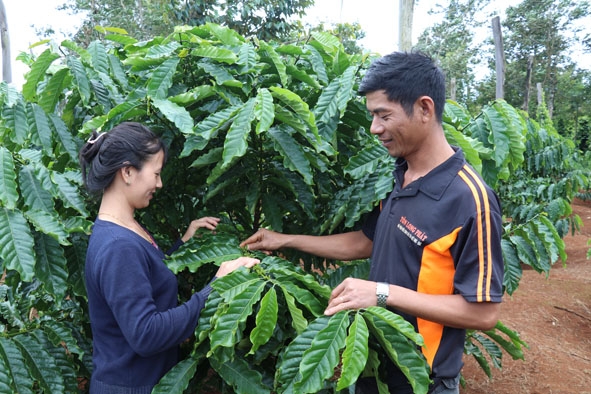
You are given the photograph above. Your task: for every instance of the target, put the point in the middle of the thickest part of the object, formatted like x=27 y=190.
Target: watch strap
x=382 y=292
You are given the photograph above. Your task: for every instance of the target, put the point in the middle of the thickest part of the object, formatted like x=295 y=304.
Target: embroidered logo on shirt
x=411 y=231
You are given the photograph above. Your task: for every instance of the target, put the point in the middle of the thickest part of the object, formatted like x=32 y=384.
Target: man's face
x=397 y=132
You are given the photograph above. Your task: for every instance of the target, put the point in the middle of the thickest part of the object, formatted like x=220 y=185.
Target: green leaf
x=299 y=106
x=69 y=193
x=305 y=298
x=355 y=354
x=288 y=367
x=49 y=224
x=365 y=161
x=117 y=71
x=63 y=137
x=61 y=334
x=397 y=322
x=17 y=244
x=215 y=53
x=235 y=145
x=319 y=361
x=50 y=267
x=177 y=379
x=61 y=359
x=40 y=128
x=266 y=320
x=35 y=195
x=525 y=250
x=228 y=328
x=176 y=114
x=16 y=120
x=40 y=364
x=161 y=79
x=513 y=270
x=317 y=64
x=393 y=336
x=8 y=192
x=276 y=61
x=100 y=61
x=293 y=155
x=302 y=75
x=51 y=94
x=81 y=78
x=264 y=110
x=329 y=42
x=5 y=379
x=513 y=346
x=16 y=369
x=221 y=75
x=286 y=270
x=231 y=285
x=241 y=376
x=193 y=255
x=298 y=321
x=37 y=74
x=205 y=129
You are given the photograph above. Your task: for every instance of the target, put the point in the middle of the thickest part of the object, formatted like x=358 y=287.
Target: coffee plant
x=261 y=134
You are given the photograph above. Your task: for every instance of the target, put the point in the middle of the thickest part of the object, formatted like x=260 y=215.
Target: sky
x=376 y=17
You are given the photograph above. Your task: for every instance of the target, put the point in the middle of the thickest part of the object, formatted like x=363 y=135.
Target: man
x=435 y=244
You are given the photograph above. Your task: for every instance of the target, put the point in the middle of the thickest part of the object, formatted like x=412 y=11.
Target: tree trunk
x=452 y=89
x=5 y=43
x=499 y=57
x=540 y=94
x=405 y=25
x=530 y=65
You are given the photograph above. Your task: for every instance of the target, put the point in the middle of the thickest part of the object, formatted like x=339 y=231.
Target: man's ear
x=426 y=107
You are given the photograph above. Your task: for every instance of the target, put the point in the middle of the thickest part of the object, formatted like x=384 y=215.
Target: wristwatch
x=382 y=292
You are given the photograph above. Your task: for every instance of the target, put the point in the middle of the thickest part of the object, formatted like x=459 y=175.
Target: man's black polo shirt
x=440 y=235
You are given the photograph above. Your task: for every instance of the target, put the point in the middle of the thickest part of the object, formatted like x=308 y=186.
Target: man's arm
x=449 y=310
x=347 y=246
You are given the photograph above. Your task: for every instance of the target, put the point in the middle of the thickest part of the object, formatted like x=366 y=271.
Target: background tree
x=451 y=42
x=543 y=30
x=146 y=19
x=5 y=45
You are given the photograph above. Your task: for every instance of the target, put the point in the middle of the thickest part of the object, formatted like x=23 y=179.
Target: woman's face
x=144 y=183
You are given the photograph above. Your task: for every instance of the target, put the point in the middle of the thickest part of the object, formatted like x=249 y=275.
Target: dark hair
x=127 y=144
x=406 y=76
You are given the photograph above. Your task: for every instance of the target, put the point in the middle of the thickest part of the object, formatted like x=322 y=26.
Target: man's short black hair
x=406 y=76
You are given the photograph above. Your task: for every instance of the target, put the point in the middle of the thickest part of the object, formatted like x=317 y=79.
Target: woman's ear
x=126 y=174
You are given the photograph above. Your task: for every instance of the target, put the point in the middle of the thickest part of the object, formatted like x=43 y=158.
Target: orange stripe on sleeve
x=482 y=206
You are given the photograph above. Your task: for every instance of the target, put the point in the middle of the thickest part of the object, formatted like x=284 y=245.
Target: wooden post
x=499 y=57
x=405 y=25
x=5 y=44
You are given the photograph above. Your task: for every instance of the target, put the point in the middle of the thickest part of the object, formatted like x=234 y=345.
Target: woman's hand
x=228 y=266
x=207 y=222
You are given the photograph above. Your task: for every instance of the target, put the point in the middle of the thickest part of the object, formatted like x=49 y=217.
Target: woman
x=132 y=296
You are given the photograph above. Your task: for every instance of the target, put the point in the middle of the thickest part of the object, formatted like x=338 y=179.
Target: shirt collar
x=437 y=180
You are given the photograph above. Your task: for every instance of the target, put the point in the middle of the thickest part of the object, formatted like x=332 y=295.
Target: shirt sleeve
x=177 y=244
x=479 y=257
x=369 y=226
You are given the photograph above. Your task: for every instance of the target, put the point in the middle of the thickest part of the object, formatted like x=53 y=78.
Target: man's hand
x=264 y=240
x=352 y=294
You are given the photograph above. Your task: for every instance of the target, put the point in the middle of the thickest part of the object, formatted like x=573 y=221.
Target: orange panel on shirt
x=436 y=277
